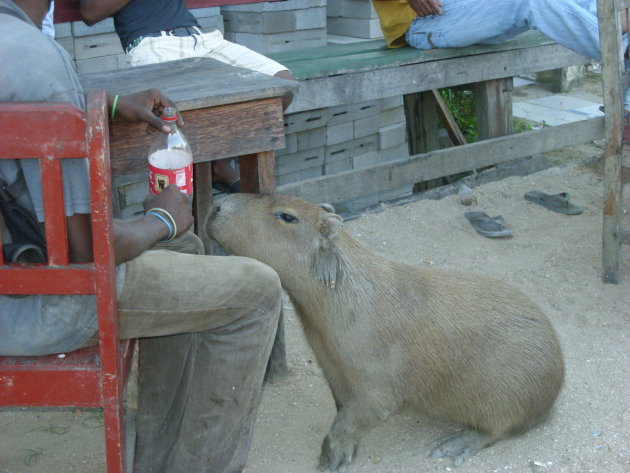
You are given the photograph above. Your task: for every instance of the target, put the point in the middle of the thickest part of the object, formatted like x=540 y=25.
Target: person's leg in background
x=206 y=325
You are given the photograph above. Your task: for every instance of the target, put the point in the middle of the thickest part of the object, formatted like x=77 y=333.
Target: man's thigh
x=167 y=293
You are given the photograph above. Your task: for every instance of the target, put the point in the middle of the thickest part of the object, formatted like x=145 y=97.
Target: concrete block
x=98 y=64
x=339 y=133
x=391 y=102
x=338 y=166
x=299 y=161
x=275 y=6
x=101 y=45
x=310 y=173
x=351 y=112
x=301 y=121
x=366 y=126
x=396 y=153
x=333 y=8
x=206 y=12
x=358 y=9
x=290 y=145
x=352 y=148
x=392 y=116
x=310 y=139
x=311 y=18
x=63 y=30
x=81 y=29
x=210 y=23
x=355 y=27
x=265 y=22
x=277 y=42
x=366 y=160
x=67 y=43
x=392 y=135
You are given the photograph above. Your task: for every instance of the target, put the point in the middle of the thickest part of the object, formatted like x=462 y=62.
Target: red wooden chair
x=91 y=377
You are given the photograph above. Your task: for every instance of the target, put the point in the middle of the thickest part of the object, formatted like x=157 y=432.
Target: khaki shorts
x=169 y=48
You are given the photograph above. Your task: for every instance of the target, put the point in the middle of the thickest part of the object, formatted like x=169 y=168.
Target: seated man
x=428 y=24
x=206 y=324
x=153 y=31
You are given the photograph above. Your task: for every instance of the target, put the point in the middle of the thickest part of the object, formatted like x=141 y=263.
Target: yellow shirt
x=396 y=17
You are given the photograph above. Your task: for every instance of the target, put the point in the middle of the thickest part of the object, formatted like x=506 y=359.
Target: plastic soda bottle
x=170 y=158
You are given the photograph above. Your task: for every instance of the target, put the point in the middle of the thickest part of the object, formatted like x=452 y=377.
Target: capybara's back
x=464 y=347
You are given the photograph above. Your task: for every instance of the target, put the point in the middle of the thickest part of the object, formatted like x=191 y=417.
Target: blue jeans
x=571 y=23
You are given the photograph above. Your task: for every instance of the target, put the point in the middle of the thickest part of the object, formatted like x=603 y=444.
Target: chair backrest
x=51 y=132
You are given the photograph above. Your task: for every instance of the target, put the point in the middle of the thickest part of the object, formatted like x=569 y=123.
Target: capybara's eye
x=285 y=217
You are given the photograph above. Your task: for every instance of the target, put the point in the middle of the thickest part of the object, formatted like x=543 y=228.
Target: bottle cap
x=169 y=114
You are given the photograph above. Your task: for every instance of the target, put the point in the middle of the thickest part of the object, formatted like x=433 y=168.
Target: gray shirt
x=35 y=68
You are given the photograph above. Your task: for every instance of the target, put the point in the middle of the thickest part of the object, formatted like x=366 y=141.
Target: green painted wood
x=337 y=59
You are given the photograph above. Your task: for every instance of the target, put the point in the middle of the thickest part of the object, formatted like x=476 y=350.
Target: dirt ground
x=554 y=258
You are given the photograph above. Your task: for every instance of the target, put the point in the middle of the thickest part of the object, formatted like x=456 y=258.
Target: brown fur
x=468 y=348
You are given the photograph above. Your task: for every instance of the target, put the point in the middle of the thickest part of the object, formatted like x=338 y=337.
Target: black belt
x=181 y=31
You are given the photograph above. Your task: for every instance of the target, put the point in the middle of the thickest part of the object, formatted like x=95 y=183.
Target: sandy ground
x=554 y=258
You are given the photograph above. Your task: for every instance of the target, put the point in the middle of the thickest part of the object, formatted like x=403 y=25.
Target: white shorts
x=152 y=50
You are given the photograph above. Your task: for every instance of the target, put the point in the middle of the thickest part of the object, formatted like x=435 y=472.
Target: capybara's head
x=287 y=233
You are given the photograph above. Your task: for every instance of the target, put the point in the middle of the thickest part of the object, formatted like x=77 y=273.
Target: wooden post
x=612 y=56
x=494 y=107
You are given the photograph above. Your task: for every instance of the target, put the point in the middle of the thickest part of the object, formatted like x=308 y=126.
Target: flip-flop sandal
x=557 y=202
x=491 y=227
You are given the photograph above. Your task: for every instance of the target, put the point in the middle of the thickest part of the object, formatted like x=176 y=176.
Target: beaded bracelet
x=114 y=107
x=172 y=225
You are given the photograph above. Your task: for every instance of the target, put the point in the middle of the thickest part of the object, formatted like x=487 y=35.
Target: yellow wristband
x=170 y=217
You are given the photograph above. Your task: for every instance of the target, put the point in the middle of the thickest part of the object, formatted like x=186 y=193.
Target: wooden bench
x=349 y=73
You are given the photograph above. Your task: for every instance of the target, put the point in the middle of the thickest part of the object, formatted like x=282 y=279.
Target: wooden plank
x=444 y=162
x=192 y=83
x=400 y=80
x=337 y=59
x=202 y=201
x=218 y=132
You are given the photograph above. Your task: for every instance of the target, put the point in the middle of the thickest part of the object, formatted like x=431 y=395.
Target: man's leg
x=210 y=322
x=467 y=22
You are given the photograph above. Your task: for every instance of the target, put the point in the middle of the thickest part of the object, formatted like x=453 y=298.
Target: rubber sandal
x=557 y=202
x=491 y=227
x=231 y=189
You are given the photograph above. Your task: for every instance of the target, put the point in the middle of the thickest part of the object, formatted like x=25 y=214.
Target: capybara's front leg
x=340 y=444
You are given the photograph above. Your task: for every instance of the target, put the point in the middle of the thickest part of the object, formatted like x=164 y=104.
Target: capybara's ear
x=327 y=207
x=330 y=225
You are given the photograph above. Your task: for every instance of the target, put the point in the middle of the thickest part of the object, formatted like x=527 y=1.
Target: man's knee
x=266 y=282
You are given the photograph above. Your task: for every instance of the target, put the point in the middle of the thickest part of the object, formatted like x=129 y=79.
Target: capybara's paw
x=337 y=454
x=461 y=445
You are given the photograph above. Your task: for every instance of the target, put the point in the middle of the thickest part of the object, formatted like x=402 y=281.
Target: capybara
x=467 y=348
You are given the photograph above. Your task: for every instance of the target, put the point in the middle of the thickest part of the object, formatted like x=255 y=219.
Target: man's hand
x=175 y=203
x=145 y=107
x=426 y=7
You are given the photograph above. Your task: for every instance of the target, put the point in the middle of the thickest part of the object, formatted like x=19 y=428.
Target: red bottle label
x=159 y=179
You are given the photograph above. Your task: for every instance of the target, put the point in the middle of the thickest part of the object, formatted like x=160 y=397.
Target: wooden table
x=228 y=112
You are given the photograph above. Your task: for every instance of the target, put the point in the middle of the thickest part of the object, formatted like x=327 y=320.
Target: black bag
x=28 y=243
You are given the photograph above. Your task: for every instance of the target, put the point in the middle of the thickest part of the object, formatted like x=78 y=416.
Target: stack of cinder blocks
x=353 y=18
x=97 y=48
x=271 y=27
x=344 y=138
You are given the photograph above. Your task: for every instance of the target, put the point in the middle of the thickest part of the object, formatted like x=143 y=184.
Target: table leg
x=202 y=199
x=258 y=172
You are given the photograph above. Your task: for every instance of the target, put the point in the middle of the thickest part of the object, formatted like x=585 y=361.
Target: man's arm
x=93 y=11
x=132 y=237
